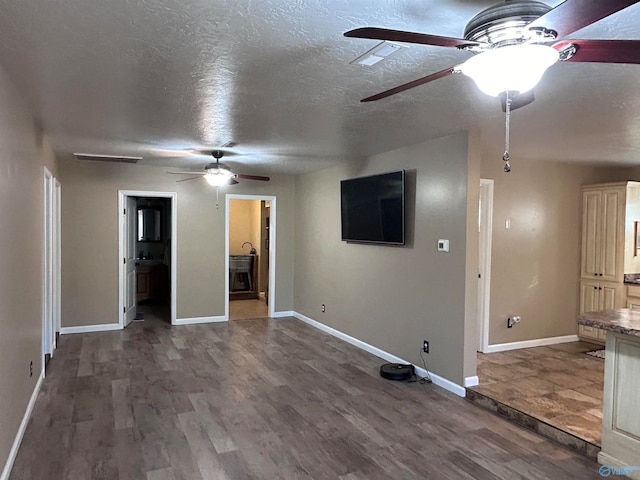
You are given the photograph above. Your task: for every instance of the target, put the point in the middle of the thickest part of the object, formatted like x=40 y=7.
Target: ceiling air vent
x=107 y=158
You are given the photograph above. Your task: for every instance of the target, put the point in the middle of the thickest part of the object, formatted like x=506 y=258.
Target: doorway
x=250 y=254
x=147 y=231
x=485 y=228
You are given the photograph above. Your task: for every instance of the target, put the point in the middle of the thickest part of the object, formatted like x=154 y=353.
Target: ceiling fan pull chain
x=217 y=202
x=506 y=156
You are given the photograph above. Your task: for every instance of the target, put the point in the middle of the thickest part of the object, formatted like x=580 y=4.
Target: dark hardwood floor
x=260 y=399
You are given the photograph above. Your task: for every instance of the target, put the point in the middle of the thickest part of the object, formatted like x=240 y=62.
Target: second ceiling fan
x=218 y=174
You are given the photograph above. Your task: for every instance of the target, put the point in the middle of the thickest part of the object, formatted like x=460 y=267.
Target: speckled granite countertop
x=623 y=320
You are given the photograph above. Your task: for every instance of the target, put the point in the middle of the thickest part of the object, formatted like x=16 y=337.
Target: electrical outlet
x=511 y=321
x=323 y=308
x=31 y=368
x=425 y=346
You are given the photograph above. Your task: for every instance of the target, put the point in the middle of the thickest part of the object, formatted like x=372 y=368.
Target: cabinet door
x=611 y=234
x=591 y=212
x=609 y=296
x=633 y=302
x=589 y=296
x=587 y=332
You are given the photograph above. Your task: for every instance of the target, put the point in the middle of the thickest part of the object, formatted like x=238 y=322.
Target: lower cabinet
x=633 y=296
x=596 y=296
x=151 y=282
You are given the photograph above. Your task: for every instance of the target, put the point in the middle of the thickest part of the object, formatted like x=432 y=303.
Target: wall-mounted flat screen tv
x=373 y=209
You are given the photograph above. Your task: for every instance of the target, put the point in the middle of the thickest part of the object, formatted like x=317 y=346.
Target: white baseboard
x=23 y=426
x=436 y=379
x=471 y=381
x=538 y=342
x=283 y=314
x=106 y=327
x=196 y=320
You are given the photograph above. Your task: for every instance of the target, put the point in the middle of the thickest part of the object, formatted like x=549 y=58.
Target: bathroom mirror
x=149 y=225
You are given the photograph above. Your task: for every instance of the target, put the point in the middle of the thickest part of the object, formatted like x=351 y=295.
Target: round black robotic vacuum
x=397 y=371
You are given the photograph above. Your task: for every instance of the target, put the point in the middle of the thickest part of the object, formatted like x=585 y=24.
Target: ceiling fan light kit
x=515 y=68
x=217 y=177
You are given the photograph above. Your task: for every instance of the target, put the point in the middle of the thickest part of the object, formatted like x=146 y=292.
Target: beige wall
x=536 y=263
x=391 y=297
x=244 y=226
x=23 y=152
x=90 y=239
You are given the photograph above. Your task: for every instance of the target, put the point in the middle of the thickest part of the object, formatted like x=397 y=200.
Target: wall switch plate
x=443 y=245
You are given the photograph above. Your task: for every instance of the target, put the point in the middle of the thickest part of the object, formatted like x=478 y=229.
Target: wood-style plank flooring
x=260 y=399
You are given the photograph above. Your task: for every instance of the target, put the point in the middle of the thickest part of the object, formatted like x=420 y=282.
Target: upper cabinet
x=603 y=222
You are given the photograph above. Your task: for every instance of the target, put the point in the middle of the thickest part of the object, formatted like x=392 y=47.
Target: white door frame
x=57 y=259
x=122 y=195
x=272 y=248
x=485 y=227
x=50 y=264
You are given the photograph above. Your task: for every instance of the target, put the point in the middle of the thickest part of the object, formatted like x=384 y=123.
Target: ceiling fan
x=218 y=174
x=515 y=42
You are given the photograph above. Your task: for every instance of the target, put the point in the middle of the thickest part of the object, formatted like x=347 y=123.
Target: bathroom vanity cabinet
x=151 y=282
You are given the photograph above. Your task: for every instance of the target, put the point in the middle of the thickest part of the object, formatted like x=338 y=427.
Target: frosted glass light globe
x=515 y=68
x=219 y=178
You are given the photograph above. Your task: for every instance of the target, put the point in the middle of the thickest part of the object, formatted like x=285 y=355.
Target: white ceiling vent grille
x=106 y=158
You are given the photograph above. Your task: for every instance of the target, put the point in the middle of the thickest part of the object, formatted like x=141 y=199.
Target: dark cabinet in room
x=151 y=282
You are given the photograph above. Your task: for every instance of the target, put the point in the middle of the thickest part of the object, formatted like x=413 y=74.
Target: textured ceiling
x=152 y=77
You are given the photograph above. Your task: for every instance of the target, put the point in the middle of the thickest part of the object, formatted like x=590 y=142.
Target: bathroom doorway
x=250 y=254
x=148 y=249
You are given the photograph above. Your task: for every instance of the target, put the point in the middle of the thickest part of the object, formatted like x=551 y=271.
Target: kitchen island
x=621 y=413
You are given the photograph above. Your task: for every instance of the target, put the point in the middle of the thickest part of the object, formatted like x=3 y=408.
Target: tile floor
x=557 y=384
x=242 y=309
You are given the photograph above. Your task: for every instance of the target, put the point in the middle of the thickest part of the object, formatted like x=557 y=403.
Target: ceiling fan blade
x=407 y=86
x=187 y=179
x=520 y=100
x=572 y=15
x=186 y=173
x=376 y=33
x=233 y=181
x=603 y=51
x=252 y=177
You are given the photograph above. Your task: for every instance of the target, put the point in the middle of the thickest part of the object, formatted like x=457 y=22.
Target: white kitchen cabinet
x=602 y=229
x=609 y=249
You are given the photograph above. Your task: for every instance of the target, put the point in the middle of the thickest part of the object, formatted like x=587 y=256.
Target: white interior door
x=130 y=218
